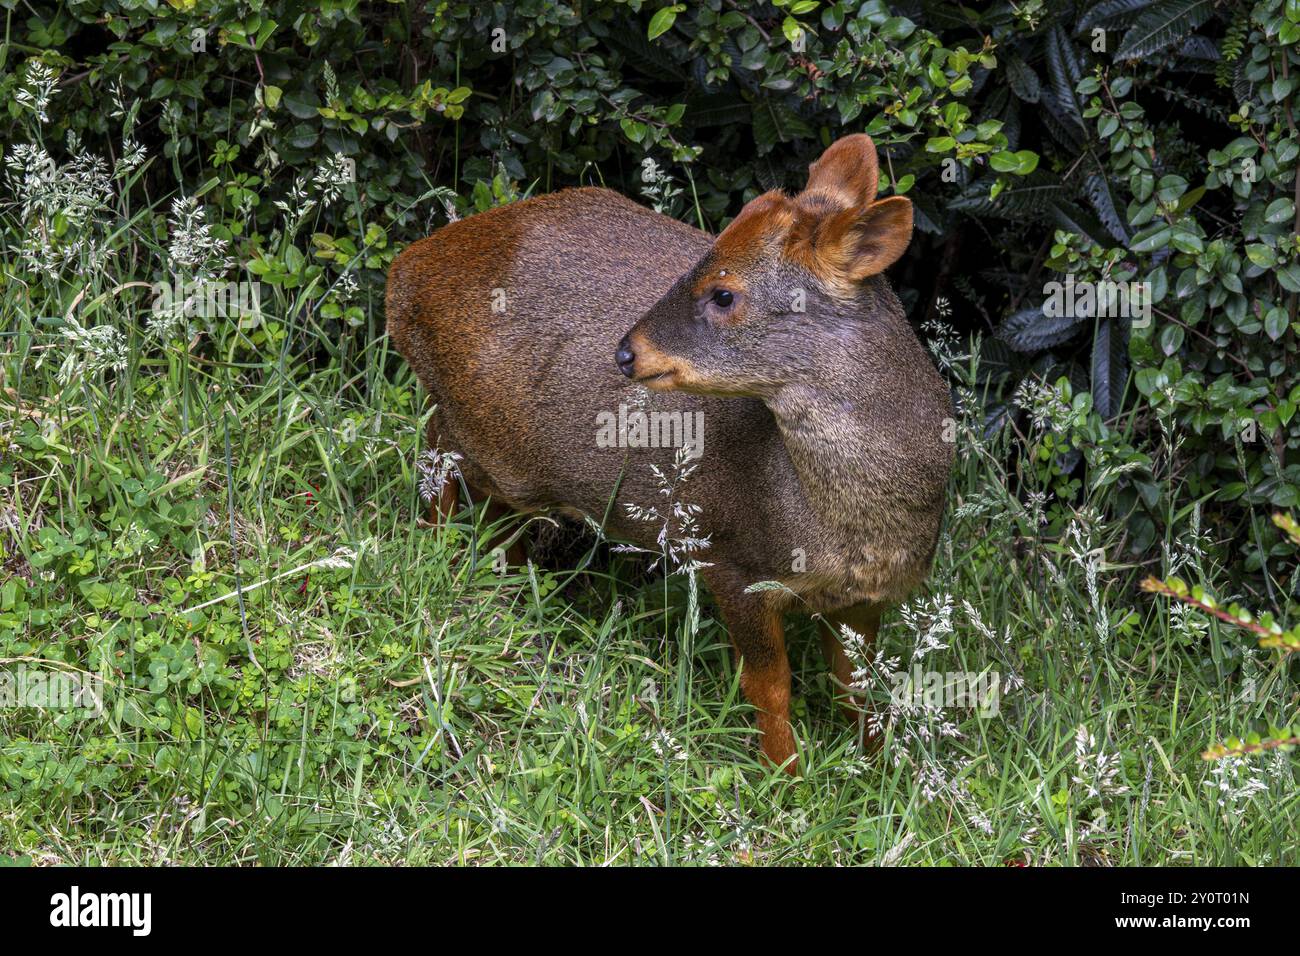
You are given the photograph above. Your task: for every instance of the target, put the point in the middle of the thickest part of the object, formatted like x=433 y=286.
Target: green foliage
x=218 y=516
x=1155 y=139
x=1266 y=629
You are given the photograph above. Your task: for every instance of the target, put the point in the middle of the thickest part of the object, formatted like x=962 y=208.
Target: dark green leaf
x=1163 y=25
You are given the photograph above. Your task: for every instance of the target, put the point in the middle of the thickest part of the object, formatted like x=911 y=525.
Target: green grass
x=408 y=704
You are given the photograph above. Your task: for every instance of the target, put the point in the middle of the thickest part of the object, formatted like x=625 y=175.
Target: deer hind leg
x=863 y=619
x=444 y=504
x=758 y=640
x=448 y=501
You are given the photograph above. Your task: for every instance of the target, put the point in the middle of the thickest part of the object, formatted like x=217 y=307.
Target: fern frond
x=1029 y=199
x=1163 y=25
x=1029 y=330
x=1113 y=14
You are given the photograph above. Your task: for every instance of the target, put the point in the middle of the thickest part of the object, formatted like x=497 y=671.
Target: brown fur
x=822 y=428
x=844 y=173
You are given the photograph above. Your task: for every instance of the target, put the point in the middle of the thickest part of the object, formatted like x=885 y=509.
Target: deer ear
x=853 y=244
x=845 y=176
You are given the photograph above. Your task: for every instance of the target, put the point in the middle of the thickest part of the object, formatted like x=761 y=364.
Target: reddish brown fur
x=847 y=171
x=756 y=232
x=823 y=427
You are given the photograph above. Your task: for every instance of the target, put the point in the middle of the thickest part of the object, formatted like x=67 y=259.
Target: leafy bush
x=218 y=516
x=1124 y=140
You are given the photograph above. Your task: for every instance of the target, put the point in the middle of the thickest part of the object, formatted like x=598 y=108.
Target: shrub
x=216 y=517
x=1148 y=141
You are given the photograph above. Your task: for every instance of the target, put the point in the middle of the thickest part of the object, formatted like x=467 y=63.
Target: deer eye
x=723 y=298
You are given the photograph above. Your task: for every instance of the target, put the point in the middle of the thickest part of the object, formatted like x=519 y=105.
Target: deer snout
x=625 y=357
x=639 y=359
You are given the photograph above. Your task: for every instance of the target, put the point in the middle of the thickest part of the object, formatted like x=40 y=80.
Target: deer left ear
x=845 y=175
x=848 y=246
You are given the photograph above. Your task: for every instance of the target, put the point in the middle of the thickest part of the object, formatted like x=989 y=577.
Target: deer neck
x=850 y=426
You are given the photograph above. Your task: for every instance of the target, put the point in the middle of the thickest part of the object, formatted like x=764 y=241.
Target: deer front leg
x=758 y=640
x=863 y=619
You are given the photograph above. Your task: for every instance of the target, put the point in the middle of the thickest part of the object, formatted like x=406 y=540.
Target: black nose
x=625 y=357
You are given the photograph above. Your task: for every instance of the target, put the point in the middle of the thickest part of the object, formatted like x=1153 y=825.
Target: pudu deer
x=827 y=455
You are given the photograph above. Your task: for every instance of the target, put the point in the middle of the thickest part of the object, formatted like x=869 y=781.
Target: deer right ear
x=878 y=237
x=845 y=176
x=847 y=246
